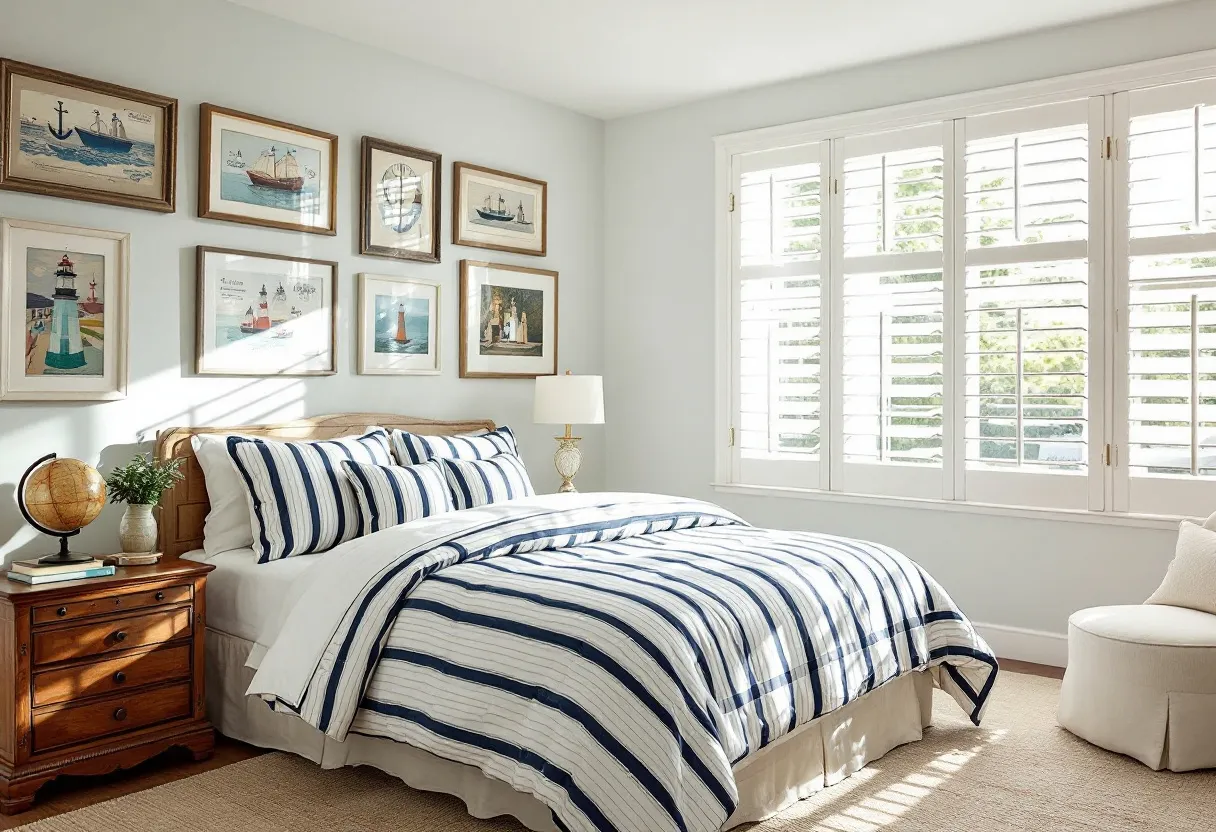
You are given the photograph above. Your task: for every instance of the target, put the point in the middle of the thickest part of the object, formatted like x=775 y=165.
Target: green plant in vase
x=140 y=484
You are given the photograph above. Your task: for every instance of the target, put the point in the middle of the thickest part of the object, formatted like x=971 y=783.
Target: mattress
x=244 y=596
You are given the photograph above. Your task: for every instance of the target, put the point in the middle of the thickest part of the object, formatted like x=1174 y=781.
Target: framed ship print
x=64 y=306
x=258 y=171
x=502 y=211
x=399 y=213
x=72 y=137
x=508 y=321
x=398 y=325
x=265 y=314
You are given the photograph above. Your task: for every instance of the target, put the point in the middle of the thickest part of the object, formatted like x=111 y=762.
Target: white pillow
x=228 y=525
x=1190 y=580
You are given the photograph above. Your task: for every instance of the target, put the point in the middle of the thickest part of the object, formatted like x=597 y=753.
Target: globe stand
x=64 y=556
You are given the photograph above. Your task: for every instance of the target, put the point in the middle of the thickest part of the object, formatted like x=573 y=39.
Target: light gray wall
x=659 y=313
x=209 y=50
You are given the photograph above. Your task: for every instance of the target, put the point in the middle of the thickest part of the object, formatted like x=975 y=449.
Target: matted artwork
x=399 y=216
x=499 y=210
x=260 y=171
x=398 y=325
x=508 y=321
x=68 y=136
x=65 y=313
x=265 y=314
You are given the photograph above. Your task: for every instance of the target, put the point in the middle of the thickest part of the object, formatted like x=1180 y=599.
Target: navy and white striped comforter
x=612 y=654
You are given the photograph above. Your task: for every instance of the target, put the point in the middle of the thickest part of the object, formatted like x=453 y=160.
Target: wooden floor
x=69 y=793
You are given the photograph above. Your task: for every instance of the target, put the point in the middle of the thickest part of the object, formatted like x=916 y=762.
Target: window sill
x=1143 y=521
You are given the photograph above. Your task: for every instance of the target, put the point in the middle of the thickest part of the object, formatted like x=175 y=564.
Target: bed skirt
x=817 y=755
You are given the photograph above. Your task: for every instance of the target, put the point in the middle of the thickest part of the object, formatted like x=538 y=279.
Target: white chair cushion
x=1190 y=580
x=1149 y=624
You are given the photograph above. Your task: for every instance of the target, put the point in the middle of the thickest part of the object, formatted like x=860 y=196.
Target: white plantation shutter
x=1166 y=202
x=890 y=263
x=1031 y=203
x=776 y=272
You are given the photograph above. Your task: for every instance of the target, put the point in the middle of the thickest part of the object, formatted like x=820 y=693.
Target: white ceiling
x=609 y=59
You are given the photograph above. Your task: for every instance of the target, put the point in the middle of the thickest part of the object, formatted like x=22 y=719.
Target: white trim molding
x=1023 y=645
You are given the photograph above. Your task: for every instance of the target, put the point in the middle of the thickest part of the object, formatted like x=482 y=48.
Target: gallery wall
x=1024 y=576
x=216 y=52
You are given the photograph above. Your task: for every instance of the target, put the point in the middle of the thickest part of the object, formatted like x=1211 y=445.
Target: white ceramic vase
x=137 y=529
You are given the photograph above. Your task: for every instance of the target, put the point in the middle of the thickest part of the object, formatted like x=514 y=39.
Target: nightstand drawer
x=117 y=674
x=70 y=610
x=81 y=723
x=101 y=637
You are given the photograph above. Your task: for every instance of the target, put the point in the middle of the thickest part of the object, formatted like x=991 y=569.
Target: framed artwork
x=398 y=325
x=265 y=314
x=68 y=136
x=502 y=211
x=508 y=321
x=259 y=171
x=399 y=214
x=64 y=308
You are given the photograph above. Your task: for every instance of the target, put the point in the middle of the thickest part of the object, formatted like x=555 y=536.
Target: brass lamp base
x=567 y=461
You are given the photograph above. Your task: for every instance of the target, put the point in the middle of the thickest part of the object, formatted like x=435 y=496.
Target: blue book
x=95 y=572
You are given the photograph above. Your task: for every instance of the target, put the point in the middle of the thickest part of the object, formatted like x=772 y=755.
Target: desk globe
x=60 y=497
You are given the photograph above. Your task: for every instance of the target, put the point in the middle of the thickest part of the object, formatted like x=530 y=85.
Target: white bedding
x=243 y=596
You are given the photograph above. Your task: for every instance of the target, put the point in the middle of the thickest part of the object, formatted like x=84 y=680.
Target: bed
x=253 y=645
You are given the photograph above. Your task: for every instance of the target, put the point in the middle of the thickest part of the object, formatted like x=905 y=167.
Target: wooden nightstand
x=100 y=674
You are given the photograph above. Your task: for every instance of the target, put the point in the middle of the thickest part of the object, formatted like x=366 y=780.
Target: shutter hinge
x=1111 y=456
x=835 y=186
x=1108 y=156
x=732 y=203
x=730 y=443
x=1106 y=455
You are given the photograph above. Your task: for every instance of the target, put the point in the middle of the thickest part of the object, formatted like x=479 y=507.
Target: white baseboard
x=1038 y=646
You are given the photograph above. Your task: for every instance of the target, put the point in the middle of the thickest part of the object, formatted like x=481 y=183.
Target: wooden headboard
x=184 y=507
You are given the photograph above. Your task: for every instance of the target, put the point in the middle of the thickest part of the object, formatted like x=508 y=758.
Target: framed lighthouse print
x=259 y=171
x=64 y=307
x=265 y=314
x=398 y=325
x=508 y=321
x=399 y=212
x=498 y=210
x=69 y=136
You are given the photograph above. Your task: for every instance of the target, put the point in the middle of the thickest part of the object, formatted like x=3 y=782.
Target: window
x=1012 y=306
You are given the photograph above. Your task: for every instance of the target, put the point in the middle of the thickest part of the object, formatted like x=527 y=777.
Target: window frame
x=1108 y=483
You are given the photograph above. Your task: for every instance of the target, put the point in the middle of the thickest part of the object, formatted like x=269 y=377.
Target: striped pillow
x=299 y=499
x=478 y=482
x=392 y=495
x=414 y=448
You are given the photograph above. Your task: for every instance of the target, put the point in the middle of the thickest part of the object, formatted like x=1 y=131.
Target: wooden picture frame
x=378 y=237
x=245 y=176
x=497 y=224
x=129 y=161
x=36 y=286
x=217 y=330
x=496 y=339
x=422 y=325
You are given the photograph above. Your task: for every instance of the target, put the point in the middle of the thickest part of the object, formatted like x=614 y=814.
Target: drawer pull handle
x=160 y=596
x=120 y=636
x=120 y=677
x=120 y=714
x=62 y=611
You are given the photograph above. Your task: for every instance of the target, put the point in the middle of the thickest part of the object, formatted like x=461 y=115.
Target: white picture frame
x=389 y=346
x=35 y=287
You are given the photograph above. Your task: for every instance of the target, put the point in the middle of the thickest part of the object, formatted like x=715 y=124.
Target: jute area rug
x=1017 y=772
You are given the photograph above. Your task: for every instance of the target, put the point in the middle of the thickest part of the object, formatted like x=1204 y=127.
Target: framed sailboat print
x=72 y=137
x=399 y=212
x=64 y=301
x=259 y=171
x=499 y=210
x=398 y=325
x=265 y=314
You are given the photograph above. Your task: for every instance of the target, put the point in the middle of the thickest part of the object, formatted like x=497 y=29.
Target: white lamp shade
x=569 y=400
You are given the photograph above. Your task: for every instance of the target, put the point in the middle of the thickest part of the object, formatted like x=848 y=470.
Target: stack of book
x=33 y=572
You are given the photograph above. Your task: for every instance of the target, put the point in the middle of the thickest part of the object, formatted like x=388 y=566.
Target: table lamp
x=568 y=400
